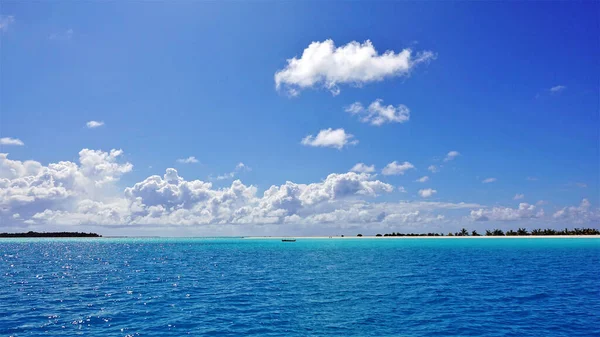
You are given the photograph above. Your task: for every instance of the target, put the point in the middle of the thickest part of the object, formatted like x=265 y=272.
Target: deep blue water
x=351 y=287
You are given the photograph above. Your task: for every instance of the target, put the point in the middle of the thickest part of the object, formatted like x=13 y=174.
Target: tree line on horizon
x=499 y=232
x=32 y=234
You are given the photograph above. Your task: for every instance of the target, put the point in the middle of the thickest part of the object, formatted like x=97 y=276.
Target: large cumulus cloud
x=325 y=65
x=173 y=199
x=27 y=187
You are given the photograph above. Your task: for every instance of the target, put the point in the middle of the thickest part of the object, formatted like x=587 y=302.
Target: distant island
x=499 y=232
x=31 y=234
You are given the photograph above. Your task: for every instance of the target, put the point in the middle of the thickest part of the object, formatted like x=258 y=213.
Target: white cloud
x=426 y=193
x=65 y=35
x=188 y=160
x=363 y=168
x=422 y=179
x=344 y=185
x=240 y=167
x=71 y=194
x=524 y=211
x=435 y=205
x=401 y=189
x=433 y=169
x=11 y=169
x=394 y=168
x=382 y=216
x=451 y=155
x=374 y=216
x=5 y=21
x=583 y=213
x=86 y=212
x=28 y=187
x=93 y=124
x=558 y=88
x=85 y=195
x=172 y=199
x=518 y=196
x=377 y=114
x=337 y=138
x=102 y=167
x=355 y=108
x=488 y=180
x=11 y=141
x=325 y=65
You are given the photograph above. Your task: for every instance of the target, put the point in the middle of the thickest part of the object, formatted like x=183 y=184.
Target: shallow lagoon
x=350 y=287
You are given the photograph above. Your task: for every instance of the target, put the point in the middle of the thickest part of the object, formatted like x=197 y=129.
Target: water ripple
x=233 y=287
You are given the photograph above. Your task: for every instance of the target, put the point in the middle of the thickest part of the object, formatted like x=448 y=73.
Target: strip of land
x=368 y=237
x=31 y=234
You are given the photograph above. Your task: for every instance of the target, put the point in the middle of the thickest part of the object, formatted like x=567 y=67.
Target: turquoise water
x=351 y=287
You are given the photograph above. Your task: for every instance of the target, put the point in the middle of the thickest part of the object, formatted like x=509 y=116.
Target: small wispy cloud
x=426 y=193
x=11 y=141
x=337 y=138
x=519 y=196
x=363 y=168
x=94 y=124
x=378 y=114
x=488 y=180
x=433 y=169
x=66 y=35
x=555 y=90
x=394 y=168
x=5 y=21
x=401 y=189
x=188 y=160
x=422 y=179
x=451 y=155
x=532 y=178
x=240 y=167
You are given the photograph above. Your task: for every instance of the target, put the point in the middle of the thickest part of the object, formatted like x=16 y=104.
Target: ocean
x=311 y=287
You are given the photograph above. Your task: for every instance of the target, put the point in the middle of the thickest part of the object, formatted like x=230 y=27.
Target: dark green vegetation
x=31 y=234
x=499 y=232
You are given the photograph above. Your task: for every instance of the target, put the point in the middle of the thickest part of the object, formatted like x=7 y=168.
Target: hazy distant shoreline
x=423 y=237
x=365 y=237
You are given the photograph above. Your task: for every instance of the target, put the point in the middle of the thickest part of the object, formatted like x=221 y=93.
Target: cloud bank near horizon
x=74 y=196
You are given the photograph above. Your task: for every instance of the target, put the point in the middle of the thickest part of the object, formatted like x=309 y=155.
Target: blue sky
x=512 y=87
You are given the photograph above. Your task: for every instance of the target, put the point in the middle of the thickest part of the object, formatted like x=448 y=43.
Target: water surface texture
x=349 y=287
